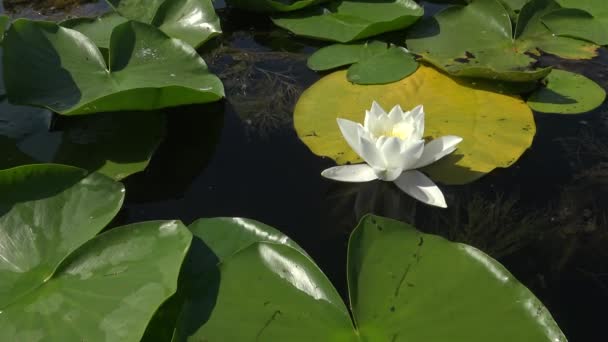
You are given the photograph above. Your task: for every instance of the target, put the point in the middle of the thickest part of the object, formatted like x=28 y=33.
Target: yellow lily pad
x=496 y=128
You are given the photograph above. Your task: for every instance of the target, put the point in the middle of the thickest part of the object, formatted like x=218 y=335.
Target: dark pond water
x=545 y=218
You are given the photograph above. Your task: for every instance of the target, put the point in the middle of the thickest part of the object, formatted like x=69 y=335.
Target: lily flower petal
x=410 y=155
x=371 y=154
x=350 y=173
x=351 y=131
x=418 y=116
x=419 y=186
x=437 y=149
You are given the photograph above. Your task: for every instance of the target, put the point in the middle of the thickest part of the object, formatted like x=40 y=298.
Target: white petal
x=396 y=113
x=437 y=149
x=370 y=153
x=350 y=173
x=418 y=117
x=376 y=109
x=388 y=175
x=410 y=154
x=419 y=186
x=351 y=131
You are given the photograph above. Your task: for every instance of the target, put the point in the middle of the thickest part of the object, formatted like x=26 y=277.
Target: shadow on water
x=545 y=217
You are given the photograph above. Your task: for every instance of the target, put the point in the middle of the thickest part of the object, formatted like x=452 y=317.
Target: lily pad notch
x=61 y=69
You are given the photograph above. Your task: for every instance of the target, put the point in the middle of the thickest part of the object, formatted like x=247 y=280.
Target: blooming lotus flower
x=393 y=147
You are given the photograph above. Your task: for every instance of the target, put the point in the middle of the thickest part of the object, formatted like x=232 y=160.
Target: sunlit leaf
x=567 y=93
x=478 y=40
x=193 y=21
x=372 y=62
x=58 y=282
x=50 y=66
x=487 y=121
x=583 y=19
x=348 y=20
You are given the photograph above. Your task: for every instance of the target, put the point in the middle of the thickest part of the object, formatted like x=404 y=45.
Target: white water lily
x=393 y=147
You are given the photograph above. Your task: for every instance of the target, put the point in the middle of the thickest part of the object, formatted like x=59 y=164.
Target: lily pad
x=582 y=19
x=193 y=21
x=348 y=20
x=478 y=40
x=61 y=69
x=269 y=6
x=567 y=93
x=99 y=29
x=215 y=240
x=58 y=282
x=487 y=121
x=404 y=286
x=114 y=144
x=372 y=62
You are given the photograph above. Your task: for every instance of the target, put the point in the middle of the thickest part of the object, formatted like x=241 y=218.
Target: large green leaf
x=487 y=121
x=567 y=93
x=408 y=286
x=61 y=69
x=60 y=283
x=99 y=29
x=348 y=20
x=478 y=40
x=583 y=19
x=193 y=21
x=114 y=144
x=269 y=6
x=403 y=286
x=372 y=62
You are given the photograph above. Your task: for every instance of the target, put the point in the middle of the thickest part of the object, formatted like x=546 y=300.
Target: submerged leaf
x=349 y=20
x=55 y=67
x=487 y=121
x=567 y=93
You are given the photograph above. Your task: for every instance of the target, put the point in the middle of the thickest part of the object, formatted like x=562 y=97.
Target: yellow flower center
x=402 y=130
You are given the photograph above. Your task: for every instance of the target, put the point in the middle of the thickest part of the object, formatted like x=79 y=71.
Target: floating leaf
x=583 y=19
x=567 y=93
x=478 y=40
x=215 y=240
x=58 y=282
x=97 y=29
x=114 y=144
x=348 y=20
x=193 y=21
x=487 y=121
x=50 y=66
x=372 y=63
x=403 y=285
x=408 y=286
x=268 y=6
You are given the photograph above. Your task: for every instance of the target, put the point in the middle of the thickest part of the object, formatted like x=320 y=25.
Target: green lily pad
x=4 y=22
x=269 y=6
x=487 y=121
x=372 y=62
x=215 y=240
x=114 y=144
x=99 y=29
x=61 y=69
x=582 y=19
x=567 y=93
x=478 y=40
x=404 y=286
x=193 y=21
x=58 y=282
x=348 y=20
